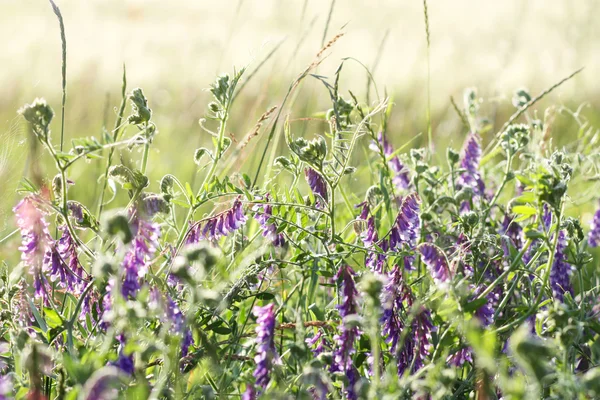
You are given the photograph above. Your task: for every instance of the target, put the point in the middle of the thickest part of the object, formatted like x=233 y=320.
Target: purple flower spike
x=460 y=357
x=6 y=387
x=471 y=156
x=407 y=226
x=194 y=233
x=269 y=229
x=560 y=273
x=125 y=362
x=401 y=179
x=485 y=313
x=137 y=258
x=513 y=231
x=317 y=184
x=393 y=296
x=35 y=241
x=342 y=356
x=250 y=393
x=594 y=235
x=317 y=343
x=226 y=222
x=74 y=278
x=422 y=328
x=435 y=261
x=265 y=337
x=178 y=325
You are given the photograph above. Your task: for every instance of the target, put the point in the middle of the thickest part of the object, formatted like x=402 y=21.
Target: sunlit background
x=174 y=50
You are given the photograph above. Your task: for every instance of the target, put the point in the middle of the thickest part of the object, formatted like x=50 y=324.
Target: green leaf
x=128 y=178
x=524 y=210
x=52 y=318
x=265 y=296
x=37 y=316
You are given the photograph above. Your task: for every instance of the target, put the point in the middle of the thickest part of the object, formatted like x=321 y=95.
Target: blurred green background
x=174 y=50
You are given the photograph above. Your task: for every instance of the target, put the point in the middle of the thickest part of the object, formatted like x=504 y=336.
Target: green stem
x=538 y=298
x=116 y=130
x=207 y=180
x=146 y=150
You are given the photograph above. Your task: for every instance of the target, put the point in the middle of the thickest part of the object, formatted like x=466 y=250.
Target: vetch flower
x=406 y=230
x=374 y=260
x=422 y=328
x=348 y=308
x=393 y=295
x=460 y=357
x=178 y=325
x=269 y=228
x=35 y=242
x=6 y=387
x=265 y=338
x=226 y=222
x=249 y=393
x=471 y=157
x=401 y=177
x=368 y=236
x=317 y=343
x=594 y=235
x=72 y=276
x=141 y=250
x=435 y=261
x=560 y=274
x=317 y=184
x=513 y=231
x=125 y=362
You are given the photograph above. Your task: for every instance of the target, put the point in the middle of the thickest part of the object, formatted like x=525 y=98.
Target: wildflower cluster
x=471 y=277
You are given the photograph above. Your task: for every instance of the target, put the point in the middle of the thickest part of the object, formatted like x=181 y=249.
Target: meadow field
x=299 y=199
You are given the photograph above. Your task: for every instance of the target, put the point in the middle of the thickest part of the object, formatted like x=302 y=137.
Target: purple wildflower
x=401 y=179
x=250 y=393
x=194 y=234
x=485 y=313
x=125 y=362
x=422 y=327
x=342 y=356
x=406 y=355
x=102 y=385
x=317 y=343
x=69 y=271
x=471 y=156
x=376 y=260
x=405 y=232
x=407 y=225
x=35 y=241
x=513 y=231
x=547 y=217
x=90 y=302
x=269 y=228
x=266 y=352
x=178 y=326
x=317 y=184
x=393 y=296
x=138 y=256
x=561 y=270
x=6 y=387
x=107 y=303
x=460 y=357
x=368 y=236
x=226 y=222
x=594 y=235
x=154 y=204
x=76 y=211
x=435 y=261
